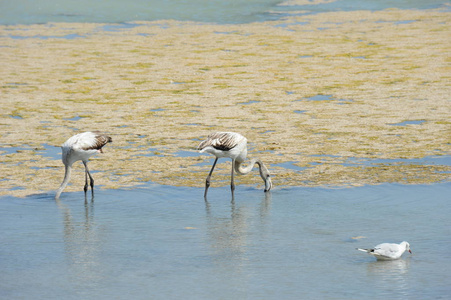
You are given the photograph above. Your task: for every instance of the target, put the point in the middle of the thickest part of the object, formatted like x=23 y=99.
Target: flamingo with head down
x=232 y=145
x=81 y=147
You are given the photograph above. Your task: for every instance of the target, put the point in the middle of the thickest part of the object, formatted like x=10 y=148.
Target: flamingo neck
x=67 y=173
x=242 y=170
x=264 y=173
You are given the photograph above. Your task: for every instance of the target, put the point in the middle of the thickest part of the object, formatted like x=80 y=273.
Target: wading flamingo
x=81 y=147
x=232 y=145
x=388 y=251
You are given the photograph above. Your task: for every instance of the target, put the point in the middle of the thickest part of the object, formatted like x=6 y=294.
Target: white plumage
x=387 y=251
x=234 y=146
x=81 y=147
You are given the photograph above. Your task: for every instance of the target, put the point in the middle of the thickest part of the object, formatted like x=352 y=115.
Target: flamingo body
x=225 y=145
x=234 y=146
x=81 y=147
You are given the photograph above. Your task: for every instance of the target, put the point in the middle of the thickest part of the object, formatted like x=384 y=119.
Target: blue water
x=214 y=11
x=162 y=242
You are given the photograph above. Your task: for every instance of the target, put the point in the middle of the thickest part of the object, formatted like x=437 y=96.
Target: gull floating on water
x=387 y=251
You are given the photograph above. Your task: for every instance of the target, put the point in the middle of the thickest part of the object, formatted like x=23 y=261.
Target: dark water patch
x=37 y=168
x=12 y=150
x=50 y=151
x=300 y=111
x=187 y=153
x=71 y=36
x=319 y=97
x=225 y=32
x=287 y=25
x=405 y=22
x=409 y=122
x=442 y=160
x=145 y=34
x=402 y=22
x=16 y=84
x=268 y=131
x=208 y=161
x=428 y=160
x=289 y=165
x=16 y=188
x=344 y=101
x=76 y=118
x=118 y=27
x=325 y=155
x=249 y=102
x=352 y=5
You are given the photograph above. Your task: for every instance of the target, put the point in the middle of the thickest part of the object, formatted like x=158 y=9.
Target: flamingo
x=388 y=251
x=81 y=147
x=232 y=145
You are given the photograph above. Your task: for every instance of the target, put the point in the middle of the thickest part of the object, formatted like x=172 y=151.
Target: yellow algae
x=161 y=93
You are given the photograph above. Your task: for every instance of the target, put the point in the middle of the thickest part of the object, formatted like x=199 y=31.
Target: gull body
x=234 y=146
x=81 y=147
x=387 y=251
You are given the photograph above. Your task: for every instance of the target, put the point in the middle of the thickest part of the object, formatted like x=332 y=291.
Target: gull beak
x=410 y=251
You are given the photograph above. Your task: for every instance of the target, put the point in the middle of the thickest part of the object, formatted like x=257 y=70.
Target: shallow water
x=215 y=11
x=161 y=242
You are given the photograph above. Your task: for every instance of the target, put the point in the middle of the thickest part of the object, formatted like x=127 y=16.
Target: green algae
x=113 y=81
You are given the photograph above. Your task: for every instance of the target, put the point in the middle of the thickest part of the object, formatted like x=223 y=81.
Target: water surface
x=212 y=11
x=161 y=242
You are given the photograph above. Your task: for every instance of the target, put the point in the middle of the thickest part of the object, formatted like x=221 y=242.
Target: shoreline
x=314 y=91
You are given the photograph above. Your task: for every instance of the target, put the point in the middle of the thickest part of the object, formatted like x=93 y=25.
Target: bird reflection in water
x=82 y=243
x=391 y=276
x=228 y=231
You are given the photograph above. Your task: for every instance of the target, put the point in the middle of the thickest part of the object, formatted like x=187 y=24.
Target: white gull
x=387 y=251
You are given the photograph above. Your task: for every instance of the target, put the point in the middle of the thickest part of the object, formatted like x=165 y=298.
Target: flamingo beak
x=268 y=184
x=410 y=251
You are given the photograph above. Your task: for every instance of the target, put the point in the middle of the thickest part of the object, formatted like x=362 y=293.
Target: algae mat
x=311 y=91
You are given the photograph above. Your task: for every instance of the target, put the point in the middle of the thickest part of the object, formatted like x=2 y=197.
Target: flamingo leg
x=90 y=178
x=85 y=188
x=232 y=183
x=207 y=182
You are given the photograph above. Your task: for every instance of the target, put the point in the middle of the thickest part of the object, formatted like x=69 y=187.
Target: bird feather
x=223 y=141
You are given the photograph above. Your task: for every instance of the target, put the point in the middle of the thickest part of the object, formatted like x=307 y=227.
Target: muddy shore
x=310 y=92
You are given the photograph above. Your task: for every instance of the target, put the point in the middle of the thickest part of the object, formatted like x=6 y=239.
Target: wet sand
x=315 y=90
